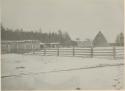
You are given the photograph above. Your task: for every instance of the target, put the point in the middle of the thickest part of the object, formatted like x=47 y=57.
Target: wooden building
x=19 y=46
x=86 y=43
x=50 y=45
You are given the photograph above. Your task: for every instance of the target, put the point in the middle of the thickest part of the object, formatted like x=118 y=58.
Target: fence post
x=8 y=48
x=114 y=52
x=73 y=51
x=44 y=51
x=91 y=52
x=32 y=48
x=57 y=51
x=17 y=47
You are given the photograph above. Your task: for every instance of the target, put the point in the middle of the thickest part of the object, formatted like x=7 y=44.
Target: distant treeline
x=20 y=34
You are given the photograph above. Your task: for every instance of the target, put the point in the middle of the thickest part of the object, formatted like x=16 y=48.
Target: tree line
x=51 y=37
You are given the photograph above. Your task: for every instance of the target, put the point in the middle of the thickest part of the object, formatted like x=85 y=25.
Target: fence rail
x=114 y=52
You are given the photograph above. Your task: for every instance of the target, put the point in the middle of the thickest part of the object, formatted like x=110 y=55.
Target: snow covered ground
x=26 y=72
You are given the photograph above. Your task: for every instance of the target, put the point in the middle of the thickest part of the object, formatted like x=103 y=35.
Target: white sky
x=80 y=18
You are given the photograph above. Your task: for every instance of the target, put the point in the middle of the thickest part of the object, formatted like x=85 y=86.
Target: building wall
x=84 y=43
x=19 y=46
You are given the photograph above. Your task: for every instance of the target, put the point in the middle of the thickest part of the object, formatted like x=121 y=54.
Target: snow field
x=50 y=72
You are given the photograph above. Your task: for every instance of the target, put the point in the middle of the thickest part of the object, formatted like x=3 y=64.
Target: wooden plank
x=102 y=51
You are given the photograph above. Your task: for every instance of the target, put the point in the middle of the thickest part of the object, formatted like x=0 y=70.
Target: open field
x=26 y=72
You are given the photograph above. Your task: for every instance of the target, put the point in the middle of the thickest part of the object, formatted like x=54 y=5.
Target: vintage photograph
x=62 y=45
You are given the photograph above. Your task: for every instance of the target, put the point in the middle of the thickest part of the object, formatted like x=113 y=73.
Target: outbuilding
x=19 y=46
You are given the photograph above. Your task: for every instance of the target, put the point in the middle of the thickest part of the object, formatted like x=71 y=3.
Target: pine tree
x=120 y=39
x=100 y=40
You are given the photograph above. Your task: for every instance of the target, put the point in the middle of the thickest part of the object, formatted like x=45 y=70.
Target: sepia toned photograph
x=62 y=45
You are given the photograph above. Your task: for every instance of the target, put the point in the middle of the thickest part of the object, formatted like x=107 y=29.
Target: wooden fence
x=112 y=52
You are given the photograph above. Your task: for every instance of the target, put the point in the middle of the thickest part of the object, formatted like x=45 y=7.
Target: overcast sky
x=80 y=18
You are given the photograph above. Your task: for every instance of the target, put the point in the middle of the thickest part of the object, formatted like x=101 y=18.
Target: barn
x=86 y=43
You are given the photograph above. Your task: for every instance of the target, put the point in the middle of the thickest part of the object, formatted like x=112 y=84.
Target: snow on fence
x=114 y=52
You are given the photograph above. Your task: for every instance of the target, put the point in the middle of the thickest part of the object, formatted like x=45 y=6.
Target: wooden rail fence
x=114 y=52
